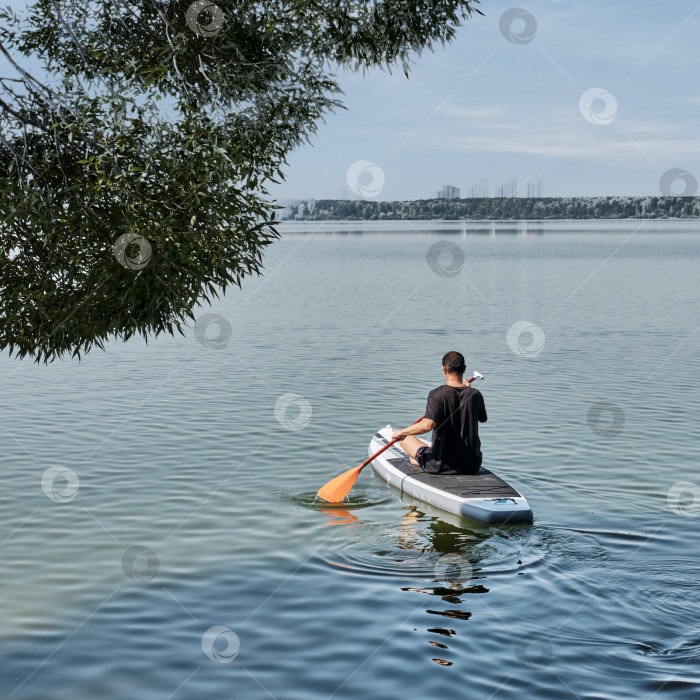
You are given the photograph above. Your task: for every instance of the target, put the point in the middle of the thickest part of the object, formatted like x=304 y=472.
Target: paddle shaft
x=386 y=447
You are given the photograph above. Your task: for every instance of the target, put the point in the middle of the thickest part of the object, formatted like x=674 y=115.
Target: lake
x=160 y=535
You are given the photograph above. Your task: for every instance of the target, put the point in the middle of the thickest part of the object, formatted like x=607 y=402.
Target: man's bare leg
x=410 y=446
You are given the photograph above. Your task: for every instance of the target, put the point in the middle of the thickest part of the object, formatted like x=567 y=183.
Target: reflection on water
x=454 y=570
x=448 y=557
x=523 y=228
x=340 y=516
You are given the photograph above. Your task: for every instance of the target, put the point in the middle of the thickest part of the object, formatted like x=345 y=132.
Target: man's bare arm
x=423 y=426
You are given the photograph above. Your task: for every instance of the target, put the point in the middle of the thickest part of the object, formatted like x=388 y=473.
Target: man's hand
x=399 y=434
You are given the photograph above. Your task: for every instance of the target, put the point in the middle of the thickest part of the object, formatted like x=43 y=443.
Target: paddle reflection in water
x=340 y=516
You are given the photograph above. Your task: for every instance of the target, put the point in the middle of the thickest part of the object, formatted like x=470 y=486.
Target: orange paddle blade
x=336 y=489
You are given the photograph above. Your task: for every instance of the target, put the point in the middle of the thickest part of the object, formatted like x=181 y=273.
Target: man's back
x=457 y=412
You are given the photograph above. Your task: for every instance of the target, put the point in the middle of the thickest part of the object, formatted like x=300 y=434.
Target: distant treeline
x=498 y=208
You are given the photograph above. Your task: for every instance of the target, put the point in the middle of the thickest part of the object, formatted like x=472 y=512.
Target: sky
x=590 y=98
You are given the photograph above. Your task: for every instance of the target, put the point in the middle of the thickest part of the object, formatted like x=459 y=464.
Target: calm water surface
x=160 y=537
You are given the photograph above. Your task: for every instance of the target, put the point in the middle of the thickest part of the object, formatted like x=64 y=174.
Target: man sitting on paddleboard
x=453 y=413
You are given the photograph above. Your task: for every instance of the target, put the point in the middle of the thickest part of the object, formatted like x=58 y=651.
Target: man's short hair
x=454 y=362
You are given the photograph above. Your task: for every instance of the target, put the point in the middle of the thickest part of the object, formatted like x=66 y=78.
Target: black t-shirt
x=457 y=412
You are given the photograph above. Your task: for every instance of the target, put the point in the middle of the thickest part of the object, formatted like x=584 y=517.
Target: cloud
x=472 y=113
x=575 y=144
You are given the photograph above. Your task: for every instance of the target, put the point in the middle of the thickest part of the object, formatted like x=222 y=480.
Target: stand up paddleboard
x=482 y=496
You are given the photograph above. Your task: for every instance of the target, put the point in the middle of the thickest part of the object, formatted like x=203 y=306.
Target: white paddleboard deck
x=482 y=496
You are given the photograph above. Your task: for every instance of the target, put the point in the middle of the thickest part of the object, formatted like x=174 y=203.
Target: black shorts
x=423 y=455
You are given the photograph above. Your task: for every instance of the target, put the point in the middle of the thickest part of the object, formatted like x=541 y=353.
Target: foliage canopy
x=137 y=138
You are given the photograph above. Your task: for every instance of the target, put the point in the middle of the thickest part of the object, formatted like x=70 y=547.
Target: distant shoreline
x=496 y=209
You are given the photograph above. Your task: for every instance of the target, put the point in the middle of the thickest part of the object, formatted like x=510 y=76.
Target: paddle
x=336 y=489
